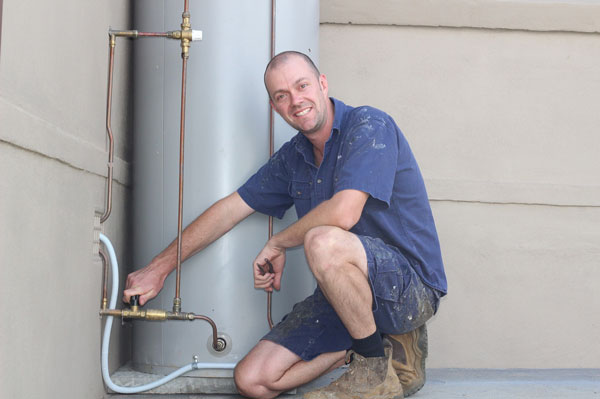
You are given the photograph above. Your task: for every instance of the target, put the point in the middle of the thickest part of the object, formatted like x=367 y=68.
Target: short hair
x=285 y=56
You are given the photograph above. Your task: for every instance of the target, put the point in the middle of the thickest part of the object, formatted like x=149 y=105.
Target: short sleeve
x=368 y=158
x=267 y=190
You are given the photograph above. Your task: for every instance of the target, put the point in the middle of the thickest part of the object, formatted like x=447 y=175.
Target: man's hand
x=264 y=279
x=146 y=283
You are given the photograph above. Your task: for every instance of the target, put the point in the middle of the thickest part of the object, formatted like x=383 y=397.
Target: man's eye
x=280 y=97
x=303 y=85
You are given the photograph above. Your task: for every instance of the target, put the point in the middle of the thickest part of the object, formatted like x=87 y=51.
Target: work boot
x=409 y=352
x=366 y=378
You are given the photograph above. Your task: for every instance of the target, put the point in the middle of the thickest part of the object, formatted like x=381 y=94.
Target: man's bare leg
x=338 y=261
x=270 y=369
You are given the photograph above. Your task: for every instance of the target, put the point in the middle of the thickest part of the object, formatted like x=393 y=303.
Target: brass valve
x=134 y=312
x=148 y=314
x=186 y=35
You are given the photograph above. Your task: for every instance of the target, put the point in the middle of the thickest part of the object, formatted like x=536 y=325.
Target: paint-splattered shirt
x=366 y=151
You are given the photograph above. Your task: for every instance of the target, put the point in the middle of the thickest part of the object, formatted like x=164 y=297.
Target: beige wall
x=53 y=79
x=499 y=100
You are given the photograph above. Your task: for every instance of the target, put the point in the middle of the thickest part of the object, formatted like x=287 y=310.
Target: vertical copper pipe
x=111 y=148
x=104 y=258
x=184 y=57
x=181 y=164
x=271 y=151
x=185 y=27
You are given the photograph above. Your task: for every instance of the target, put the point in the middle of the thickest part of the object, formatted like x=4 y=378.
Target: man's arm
x=342 y=210
x=217 y=220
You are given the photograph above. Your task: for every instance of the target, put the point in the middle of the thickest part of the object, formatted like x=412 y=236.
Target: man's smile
x=302 y=112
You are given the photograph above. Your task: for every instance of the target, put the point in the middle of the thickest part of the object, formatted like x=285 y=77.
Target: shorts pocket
x=389 y=282
x=389 y=285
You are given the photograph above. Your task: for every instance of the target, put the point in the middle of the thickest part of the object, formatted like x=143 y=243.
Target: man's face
x=298 y=95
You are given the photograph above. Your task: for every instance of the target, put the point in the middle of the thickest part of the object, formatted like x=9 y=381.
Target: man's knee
x=322 y=246
x=247 y=381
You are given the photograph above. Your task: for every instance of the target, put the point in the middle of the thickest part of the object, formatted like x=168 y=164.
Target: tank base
x=186 y=384
x=126 y=376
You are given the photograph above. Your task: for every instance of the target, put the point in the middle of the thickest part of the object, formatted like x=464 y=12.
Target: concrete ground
x=461 y=383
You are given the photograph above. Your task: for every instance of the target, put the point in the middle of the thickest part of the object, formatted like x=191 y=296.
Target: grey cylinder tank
x=227 y=140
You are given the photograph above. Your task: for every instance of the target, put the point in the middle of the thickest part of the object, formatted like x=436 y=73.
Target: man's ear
x=323 y=83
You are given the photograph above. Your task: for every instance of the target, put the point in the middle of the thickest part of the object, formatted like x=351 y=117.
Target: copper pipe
x=113 y=34
x=214 y=329
x=271 y=113
x=135 y=312
x=111 y=145
x=104 y=258
x=177 y=300
x=271 y=151
x=153 y=34
x=132 y=34
x=186 y=36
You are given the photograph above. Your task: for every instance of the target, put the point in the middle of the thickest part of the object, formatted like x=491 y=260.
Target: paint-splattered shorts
x=401 y=304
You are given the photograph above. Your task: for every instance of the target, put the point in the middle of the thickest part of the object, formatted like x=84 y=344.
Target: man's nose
x=295 y=98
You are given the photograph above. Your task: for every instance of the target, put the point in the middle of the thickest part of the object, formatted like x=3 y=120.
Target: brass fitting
x=154 y=314
x=174 y=34
x=149 y=314
x=123 y=33
x=133 y=34
x=176 y=305
x=177 y=34
x=186 y=35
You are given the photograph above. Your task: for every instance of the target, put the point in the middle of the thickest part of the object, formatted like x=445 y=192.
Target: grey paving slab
x=517 y=384
x=463 y=383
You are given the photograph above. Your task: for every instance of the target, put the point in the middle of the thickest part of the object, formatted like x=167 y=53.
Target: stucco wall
x=499 y=102
x=53 y=156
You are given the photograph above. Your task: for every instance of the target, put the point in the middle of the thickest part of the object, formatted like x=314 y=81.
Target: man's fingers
x=146 y=297
x=128 y=293
x=264 y=276
x=267 y=279
x=263 y=281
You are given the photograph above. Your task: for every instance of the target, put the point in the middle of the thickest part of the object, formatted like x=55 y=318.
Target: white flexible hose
x=106 y=339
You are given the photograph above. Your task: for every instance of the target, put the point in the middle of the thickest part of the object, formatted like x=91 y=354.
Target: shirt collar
x=340 y=110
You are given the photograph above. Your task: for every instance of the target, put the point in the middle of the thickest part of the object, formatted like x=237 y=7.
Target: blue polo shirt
x=366 y=151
